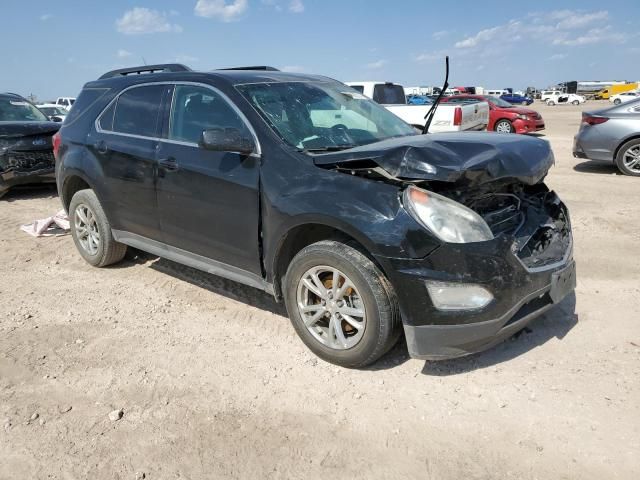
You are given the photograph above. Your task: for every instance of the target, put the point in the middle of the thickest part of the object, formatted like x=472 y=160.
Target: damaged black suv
x=300 y=186
x=26 y=151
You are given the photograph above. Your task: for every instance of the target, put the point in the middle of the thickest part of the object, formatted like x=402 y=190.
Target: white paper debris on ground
x=56 y=225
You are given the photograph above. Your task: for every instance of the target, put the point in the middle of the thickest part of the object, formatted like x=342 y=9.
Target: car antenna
x=431 y=113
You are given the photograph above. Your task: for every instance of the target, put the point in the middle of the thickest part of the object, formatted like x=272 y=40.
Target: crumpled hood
x=468 y=158
x=22 y=129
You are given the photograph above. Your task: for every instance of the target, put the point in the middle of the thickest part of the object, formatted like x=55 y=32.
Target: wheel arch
x=635 y=136
x=303 y=234
x=72 y=183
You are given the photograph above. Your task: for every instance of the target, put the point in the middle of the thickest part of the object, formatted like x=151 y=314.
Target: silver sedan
x=611 y=134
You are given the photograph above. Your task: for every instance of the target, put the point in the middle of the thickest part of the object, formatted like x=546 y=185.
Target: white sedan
x=565 y=99
x=623 y=97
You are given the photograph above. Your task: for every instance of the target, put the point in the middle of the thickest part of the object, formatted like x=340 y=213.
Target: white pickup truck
x=447 y=118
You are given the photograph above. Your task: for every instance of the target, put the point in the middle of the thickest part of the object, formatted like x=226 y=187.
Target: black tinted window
x=358 y=88
x=389 y=94
x=196 y=109
x=137 y=111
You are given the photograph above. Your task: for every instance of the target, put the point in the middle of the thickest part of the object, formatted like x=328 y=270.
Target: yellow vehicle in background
x=605 y=93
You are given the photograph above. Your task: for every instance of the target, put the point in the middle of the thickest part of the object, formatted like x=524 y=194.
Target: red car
x=503 y=116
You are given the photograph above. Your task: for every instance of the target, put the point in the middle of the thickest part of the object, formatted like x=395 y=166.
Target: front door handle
x=169 y=164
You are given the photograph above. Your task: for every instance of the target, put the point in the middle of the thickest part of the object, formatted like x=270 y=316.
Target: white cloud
x=440 y=34
x=559 y=27
x=144 y=20
x=581 y=20
x=430 y=56
x=123 y=53
x=595 y=35
x=293 y=69
x=46 y=16
x=558 y=56
x=482 y=36
x=296 y=6
x=376 y=65
x=220 y=9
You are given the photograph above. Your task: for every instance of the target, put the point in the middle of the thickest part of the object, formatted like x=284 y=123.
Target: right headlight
x=448 y=220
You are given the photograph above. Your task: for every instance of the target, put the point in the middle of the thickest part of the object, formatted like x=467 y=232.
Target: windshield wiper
x=432 y=111
x=330 y=148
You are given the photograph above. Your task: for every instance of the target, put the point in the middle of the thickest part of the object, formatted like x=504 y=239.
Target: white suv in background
x=624 y=97
x=65 y=102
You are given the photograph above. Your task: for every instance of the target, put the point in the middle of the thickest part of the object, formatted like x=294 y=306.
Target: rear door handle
x=169 y=164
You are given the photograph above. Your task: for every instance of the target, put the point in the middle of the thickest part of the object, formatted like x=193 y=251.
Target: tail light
x=457 y=116
x=56 y=144
x=592 y=119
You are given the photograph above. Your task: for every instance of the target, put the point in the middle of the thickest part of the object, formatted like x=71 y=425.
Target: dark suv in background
x=26 y=150
x=300 y=186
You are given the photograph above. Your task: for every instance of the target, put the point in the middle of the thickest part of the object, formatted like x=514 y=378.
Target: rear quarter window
x=87 y=98
x=137 y=111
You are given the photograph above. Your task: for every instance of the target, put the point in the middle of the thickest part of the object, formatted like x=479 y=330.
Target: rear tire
x=504 y=126
x=617 y=101
x=628 y=158
x=576 y=102
x=551 y=103
x=91 y=231
x=361 y=287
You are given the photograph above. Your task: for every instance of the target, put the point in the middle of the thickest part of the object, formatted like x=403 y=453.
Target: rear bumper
x=441 y=342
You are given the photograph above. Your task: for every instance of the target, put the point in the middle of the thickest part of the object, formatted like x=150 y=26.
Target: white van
x=496 y=93
x=547 y=94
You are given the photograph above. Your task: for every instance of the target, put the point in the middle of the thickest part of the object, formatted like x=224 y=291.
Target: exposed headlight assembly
x=448 y=220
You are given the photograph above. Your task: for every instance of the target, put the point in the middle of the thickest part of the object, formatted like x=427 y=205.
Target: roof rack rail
x=162 y=67
x=257 y=67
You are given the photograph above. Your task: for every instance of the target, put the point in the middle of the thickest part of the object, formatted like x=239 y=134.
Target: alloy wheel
x=331 y=307
x=86 y=229
x=503 y=127
x=631 y=158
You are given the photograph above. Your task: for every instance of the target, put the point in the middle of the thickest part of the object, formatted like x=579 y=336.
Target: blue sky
x=51 y=48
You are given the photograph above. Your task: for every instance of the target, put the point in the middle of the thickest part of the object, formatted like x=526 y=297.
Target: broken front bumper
x=522 y=289
x=24 y=167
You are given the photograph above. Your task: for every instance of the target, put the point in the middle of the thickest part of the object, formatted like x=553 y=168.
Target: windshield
x=323 y=115
x=17 y=110
x=498 y=102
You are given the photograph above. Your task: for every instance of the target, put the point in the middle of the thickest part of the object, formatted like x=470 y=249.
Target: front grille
x=535 y=217
x=29 y=160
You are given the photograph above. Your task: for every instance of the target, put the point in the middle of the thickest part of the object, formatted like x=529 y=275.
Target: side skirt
x=192 y=260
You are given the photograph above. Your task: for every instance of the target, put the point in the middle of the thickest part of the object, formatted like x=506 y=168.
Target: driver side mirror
x=227 y=140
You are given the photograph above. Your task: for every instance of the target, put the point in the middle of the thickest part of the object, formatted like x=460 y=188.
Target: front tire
x=628 y=158
x=341 y=305
x=503 y=126
x=576 y=102
x=551 y=103
x=617 y=101
x=91 y=231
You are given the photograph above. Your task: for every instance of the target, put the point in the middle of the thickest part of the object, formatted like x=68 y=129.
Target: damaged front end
x=533 y=216
x=505 y=241
x=26 y=158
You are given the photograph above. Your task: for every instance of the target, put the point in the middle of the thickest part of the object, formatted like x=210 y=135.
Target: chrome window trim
x=243 y=118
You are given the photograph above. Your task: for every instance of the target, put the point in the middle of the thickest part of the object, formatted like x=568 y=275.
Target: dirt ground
x=214 y=383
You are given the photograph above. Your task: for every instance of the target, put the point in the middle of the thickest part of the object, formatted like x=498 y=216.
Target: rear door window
x=137 y=111
x=85 y=100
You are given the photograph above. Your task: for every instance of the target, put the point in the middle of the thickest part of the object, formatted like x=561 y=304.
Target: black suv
x=26 y=152
x=300 y=186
